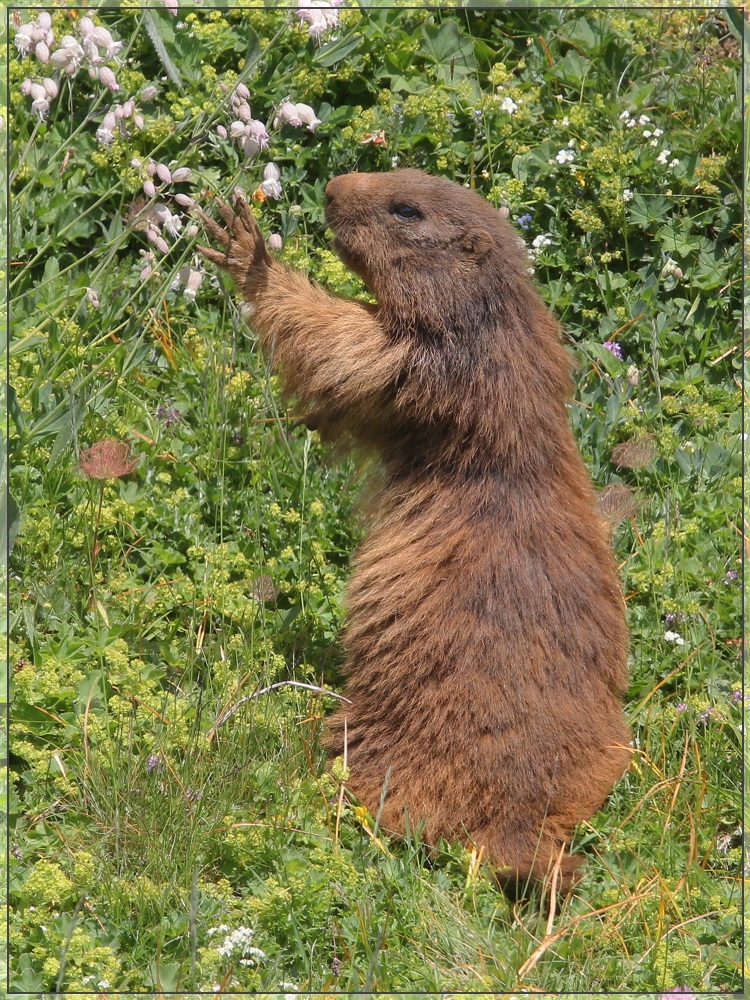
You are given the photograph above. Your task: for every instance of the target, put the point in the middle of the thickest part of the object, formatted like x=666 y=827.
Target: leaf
x=333 y=52
x=452 y=51
x=158 y=32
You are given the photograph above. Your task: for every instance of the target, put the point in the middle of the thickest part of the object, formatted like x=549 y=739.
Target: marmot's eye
x=406 y=212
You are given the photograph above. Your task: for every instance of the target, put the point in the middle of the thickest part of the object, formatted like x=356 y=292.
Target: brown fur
x=485 y=636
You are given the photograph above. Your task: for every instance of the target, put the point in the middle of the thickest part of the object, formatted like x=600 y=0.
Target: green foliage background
x=145 y=835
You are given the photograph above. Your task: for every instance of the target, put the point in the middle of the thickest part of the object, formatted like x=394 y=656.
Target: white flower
x=92 y=297
x=275 y=241
x=172 y=225
x=239 y=943
x=68 y=56
x=191 y=278
x=221 y=131
x=163 y=173
x=149 y=188
x=319 y=15
x=565 y=156
x=108 y=78
x=23 y=39
x=307 y=115
x=287 y=113
x=271 y=172
x=509 y=105
x=631 y=123
x=644 y=120
x=634 y=376
x=663 y=156
x=41 y=51
x=149 y=93
x=181 y=174
x=654 y=142
x=627 y=195
x=647 y=133
x=674 y=163
x=624 y=116
x=271 y=189
x=674 y=637
x=658 y=132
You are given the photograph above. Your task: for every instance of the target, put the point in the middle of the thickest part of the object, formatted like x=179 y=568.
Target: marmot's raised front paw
x=244 y=246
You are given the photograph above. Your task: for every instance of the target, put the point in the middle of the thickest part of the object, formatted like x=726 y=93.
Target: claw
x=215 y=256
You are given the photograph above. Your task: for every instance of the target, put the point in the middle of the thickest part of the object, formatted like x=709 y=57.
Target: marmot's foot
x=244 y=246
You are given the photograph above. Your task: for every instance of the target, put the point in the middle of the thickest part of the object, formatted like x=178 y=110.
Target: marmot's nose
x=331 y=188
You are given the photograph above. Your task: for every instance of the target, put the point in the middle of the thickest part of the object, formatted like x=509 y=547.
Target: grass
x=144 y=834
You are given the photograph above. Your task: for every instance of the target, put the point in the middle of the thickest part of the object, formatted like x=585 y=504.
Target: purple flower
x=168 y=415
x=524 y=221
x=614 y=347
x=684 y=990
x=731 y=575
x=680 y=707
x=154 y=763
x=705 y=715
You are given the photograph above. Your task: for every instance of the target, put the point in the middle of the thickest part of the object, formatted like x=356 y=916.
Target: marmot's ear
x=477 y=241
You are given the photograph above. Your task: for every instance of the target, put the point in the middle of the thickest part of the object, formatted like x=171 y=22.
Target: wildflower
x=634 y=375
x=149 y=188
x=155 y=762
x=51 y=88
x=307 y=115
x=270 y=186
x=673 y=163
x=68 y=55
x=565 y=156
x=674 y=637
x=320 y=16
x=287 y=112
x=730 y=576
x=644 y=120
x=172 y=6
x=39 y=102
x=627 y=195
x=737 y=696
x=663 y=157
x=138 y=121
x=172 y=225
x=41 y=51
x=242 y=92
x=181 y=174
x=108 y=78
x=524 y=221
x=614 y=348
x=221 y=131
x=256 y=130
x=624 y=116
x=149 y=93
x=509 y=105
x=107 y=460
x=671 y=269
x=163 y=173
x=658 y=132
x=92 y=297
x=105 y=134
x=647 y=133
x=275 y=241
x=191 y=281
x=706 y=715
x=185 y=200
x=23 y=39
x=238 y=942
x=540 y=241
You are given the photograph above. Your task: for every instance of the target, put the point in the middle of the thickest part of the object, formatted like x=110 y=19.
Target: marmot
x=485 y=627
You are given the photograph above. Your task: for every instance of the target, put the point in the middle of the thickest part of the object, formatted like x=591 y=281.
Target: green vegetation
x=158 y=584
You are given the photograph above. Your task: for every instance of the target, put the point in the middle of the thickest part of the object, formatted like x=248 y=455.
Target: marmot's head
x=432 y=251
